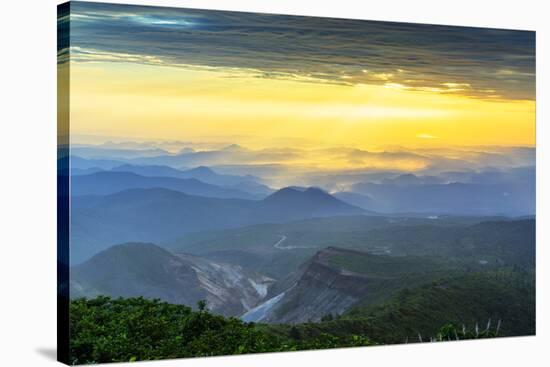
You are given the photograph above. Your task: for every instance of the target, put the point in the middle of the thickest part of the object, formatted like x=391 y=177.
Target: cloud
x=335 y=167
x=383 y=76
x=85 y=55
x=469 y=61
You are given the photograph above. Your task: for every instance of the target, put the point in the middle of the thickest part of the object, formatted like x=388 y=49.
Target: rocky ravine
x=316 y=289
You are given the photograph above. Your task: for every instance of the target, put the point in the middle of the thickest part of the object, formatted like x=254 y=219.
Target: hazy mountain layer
x=248 y=183
x=491 y=192
x=108 y=182
x=151 y=215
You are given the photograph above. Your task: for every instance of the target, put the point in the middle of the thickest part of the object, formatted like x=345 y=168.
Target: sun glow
x=135 y=99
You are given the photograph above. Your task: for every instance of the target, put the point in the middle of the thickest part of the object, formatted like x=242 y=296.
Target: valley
x=297 y=260
x=312 y=271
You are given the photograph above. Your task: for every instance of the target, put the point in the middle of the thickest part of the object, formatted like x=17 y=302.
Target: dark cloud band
x=479 y=62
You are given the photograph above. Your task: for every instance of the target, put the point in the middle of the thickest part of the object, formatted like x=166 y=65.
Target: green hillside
x=461 y=301
x=492 y=243
x=474 y=298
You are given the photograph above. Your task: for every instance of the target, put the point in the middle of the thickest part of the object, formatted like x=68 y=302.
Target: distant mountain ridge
x=202 y=173
x=109 y=182
x=246 y=183
x=117 y=153
x=455 y=198
x=156 y=214
x=316 y=201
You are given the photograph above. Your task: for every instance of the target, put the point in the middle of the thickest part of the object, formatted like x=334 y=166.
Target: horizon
x=293 y=85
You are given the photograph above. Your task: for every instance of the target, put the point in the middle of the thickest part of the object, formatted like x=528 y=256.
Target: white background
x=28 y=191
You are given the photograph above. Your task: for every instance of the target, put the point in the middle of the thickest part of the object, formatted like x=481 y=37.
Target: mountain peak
x=298 y=188
x=233 y=148
x=405 y=179
x=286 y=192
x=136 y=252
x=297 y=191
x=312 y=199
x=141 y=246
x=185 y=150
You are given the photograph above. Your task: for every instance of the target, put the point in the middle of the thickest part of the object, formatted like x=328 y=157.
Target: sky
x=273 y=81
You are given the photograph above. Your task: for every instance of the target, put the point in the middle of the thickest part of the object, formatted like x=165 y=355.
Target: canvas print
x=233 y=182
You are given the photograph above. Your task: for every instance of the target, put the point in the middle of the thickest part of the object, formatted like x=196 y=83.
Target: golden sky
x=166 y=102
x=262 y=80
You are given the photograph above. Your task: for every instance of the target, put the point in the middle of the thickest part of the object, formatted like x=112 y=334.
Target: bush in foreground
x=118 y=330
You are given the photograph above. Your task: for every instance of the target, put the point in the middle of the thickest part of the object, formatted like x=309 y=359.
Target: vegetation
x=411 y=281
x=467 y=302
x=376 y=266
x=470 y=306
x=473 y=298
x=451 y=332
x=131 y=329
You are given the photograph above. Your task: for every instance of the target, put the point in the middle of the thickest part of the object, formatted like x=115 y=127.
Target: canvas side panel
x=63 y=181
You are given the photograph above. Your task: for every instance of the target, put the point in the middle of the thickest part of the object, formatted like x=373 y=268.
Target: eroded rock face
x=141 y=269
x=319 y=288
x=230 y=290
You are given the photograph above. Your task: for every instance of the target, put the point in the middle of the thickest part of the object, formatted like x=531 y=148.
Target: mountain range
x=158 y=214
x=244 y=183
x=110 y=182
x=488 y=191
x=456 y=198
x=247 y=183
x=117 y=152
